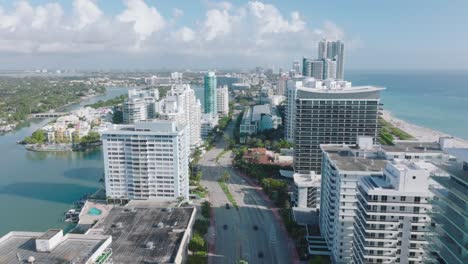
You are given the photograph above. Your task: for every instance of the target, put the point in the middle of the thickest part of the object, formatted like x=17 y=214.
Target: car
x=227 y=206
x=255 y=227
x=225 y=227
x=260 y=254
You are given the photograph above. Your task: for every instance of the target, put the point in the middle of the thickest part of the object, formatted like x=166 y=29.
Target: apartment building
x=392 y=221
x=140 y=105
x=146 y=160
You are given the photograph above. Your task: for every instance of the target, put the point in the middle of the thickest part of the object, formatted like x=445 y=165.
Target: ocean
x=433 y=99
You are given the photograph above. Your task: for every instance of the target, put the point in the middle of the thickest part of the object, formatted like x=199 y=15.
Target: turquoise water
x=437 y=100
x=94 y=211
x=37 y=188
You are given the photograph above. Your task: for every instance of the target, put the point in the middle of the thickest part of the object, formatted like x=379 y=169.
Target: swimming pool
x=94 y=211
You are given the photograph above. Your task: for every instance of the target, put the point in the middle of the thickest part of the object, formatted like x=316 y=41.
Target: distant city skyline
x=139 y=34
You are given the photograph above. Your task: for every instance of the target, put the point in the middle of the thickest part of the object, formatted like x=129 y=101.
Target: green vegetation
x=206 y=209
x=198 y=244
x=201 y=226
x=37 y=137
x=227 y=192
x=92 y=137
x=20 y=97
x=111 y=102
x=388 y=133
x=277 y=190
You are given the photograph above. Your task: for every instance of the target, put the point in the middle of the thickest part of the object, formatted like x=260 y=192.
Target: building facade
x=223 y=100
x=392 y=220
x=147 y=160
x=140 y=105
x=449 y=213
x=182 y=106
x=306 y=193
x=330 y=112
x=210 y=93
x=342 y=168
x=333 y=50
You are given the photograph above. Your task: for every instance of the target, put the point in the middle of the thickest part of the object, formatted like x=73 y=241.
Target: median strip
x=228 y=193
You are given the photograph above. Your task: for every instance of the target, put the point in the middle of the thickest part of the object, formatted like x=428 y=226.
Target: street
x=253 y=233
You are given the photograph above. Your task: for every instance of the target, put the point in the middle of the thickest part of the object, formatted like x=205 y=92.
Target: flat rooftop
x=414 y=147
x=307 y=180
x=73 y=248
x=132 y=228
x=344 y=159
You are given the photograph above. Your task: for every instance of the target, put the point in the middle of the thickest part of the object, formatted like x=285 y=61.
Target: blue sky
x=233 y=34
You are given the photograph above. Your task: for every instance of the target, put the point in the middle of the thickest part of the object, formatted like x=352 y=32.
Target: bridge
x=50 y=114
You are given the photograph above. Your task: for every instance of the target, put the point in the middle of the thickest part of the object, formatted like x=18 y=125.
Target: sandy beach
x=422 y=133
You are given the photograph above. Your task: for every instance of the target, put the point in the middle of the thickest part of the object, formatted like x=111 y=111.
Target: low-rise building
x=259 y=118
x=147 y=234
x=53 y=247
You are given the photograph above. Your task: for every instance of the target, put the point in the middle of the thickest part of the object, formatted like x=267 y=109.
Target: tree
x=225 y=177
x=37 y=137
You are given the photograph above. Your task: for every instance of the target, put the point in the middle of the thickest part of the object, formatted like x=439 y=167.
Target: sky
x=206 y=34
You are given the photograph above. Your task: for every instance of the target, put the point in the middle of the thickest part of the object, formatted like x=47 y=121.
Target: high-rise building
x=290 y=110
x=306 y=67
x=329 y=69
x=450 y=214
x=210 y=94
x=146 y=160
x=296 y=67
x=330 y=112
x=333 y=50
x=182 y=106
x=223 y=100
x=140 y=105
x=342 y=167
x=392 y=223
x=343 y=190
x=317 y=67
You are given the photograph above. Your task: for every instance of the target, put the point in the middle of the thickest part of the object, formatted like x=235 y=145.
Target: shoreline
x=421 y=133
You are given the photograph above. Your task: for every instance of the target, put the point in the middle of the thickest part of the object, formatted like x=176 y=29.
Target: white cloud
x=87 y=13
x=254 y=31
x=269 y=19
x=184 y=34
x=146 y=20
x=217 y=23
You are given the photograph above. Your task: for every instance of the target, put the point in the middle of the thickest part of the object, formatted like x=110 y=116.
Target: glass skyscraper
x=210 y=93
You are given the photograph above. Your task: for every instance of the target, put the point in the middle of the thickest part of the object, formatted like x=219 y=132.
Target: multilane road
x=253 y=233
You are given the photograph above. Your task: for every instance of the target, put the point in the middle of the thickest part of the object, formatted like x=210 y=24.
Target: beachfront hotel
x=329 y=112
x=146 y=160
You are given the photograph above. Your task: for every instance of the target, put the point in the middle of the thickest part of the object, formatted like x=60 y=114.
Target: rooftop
x=307 y=180
x=345 y=160
x=413 y=146
x=147 y=128
x=73 y=248
x=145 y=235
